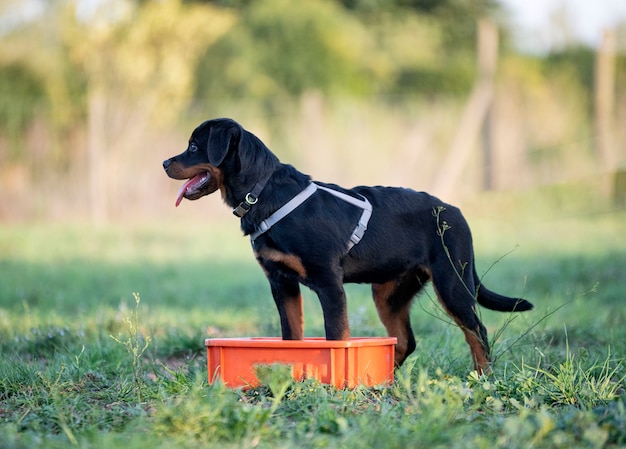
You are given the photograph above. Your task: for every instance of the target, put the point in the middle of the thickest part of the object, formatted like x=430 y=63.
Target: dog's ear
x=221 y=136
x=253 y=154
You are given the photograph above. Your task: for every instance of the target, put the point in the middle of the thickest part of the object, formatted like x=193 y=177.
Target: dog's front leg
x=334 y=306
x=286 y=293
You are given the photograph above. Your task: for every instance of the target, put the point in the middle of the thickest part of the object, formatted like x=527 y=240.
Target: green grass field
x=84 y=363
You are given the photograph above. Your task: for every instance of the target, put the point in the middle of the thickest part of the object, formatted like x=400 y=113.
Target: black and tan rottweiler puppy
x=323 y=235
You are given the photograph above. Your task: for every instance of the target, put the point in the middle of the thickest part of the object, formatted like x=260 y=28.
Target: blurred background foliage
x=95 y=94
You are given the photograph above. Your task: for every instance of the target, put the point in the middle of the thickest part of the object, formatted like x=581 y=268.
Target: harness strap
x=284 y=211
x=251 y=198
x=364 y=204
x=301 y=197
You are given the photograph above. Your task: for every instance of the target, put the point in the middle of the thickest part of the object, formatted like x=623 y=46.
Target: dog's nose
x=167 y=163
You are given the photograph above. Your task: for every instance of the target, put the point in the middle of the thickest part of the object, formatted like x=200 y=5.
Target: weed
x=278 y=377
x=570 y=383
x=136 y=345
x=442 y=228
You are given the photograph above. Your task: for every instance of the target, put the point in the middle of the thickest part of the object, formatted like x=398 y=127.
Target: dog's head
x=219 y=152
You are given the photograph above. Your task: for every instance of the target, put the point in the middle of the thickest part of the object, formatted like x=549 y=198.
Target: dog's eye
x=193 y=147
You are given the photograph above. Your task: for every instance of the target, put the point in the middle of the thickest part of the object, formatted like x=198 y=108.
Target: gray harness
x=301 y=197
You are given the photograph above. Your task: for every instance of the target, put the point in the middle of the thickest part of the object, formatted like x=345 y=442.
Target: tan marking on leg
x=394 y=322
x=480 y=359
x=295 y=316
x=479 y=355
x=291 y=261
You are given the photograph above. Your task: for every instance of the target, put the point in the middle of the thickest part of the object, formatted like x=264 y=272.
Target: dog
x=322 y=235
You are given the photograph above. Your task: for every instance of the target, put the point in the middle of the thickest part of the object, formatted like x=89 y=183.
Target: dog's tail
x=500 y=303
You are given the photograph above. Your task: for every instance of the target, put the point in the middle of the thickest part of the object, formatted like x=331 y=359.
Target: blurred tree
x=139 y=63
x=145 y=53
x=22 y=93
x=576 y=61
x=40 y=86
x=357 y=47
x=457 y=18
x=454 y=70
x=280 y=47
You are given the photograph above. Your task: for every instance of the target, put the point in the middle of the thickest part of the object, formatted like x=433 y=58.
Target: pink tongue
x=183 y=189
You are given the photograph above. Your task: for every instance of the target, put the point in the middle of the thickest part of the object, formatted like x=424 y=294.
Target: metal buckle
x=244 y=206
x=250 y=199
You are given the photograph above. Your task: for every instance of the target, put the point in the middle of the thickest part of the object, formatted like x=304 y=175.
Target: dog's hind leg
x=393 y=304
x=456 y=292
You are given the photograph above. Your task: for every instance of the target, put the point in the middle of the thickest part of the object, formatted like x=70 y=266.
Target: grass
x=86 y=362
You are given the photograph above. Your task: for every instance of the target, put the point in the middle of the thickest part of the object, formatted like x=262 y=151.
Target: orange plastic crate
x=361 y=360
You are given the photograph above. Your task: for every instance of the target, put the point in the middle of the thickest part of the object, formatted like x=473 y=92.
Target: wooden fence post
x=474 y=114
x=487 y=63
x=604 y=101
x=96 y=151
